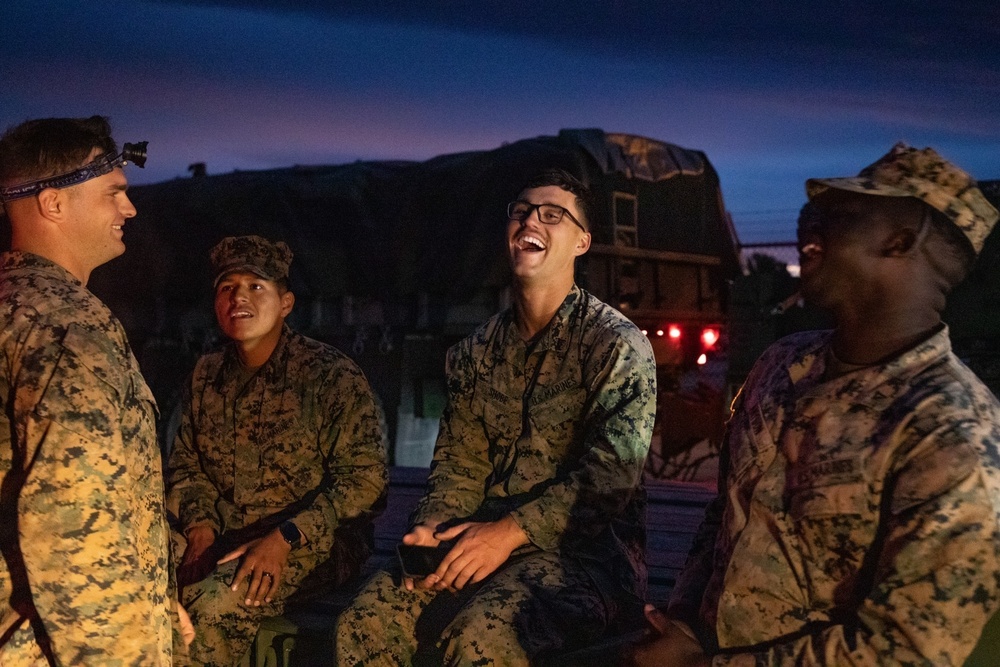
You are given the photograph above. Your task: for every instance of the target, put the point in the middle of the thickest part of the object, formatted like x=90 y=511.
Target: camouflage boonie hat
x=253 y=254
x=907 y=172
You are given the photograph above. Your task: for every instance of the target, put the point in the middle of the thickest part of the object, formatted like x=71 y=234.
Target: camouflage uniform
x=84 y=536
x=859 y=518
x=555 y=435
x=299 y=441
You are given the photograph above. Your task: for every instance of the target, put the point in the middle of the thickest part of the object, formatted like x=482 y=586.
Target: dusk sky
x=772 y=92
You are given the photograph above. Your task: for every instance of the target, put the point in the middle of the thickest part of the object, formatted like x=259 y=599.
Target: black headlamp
x=104 y=164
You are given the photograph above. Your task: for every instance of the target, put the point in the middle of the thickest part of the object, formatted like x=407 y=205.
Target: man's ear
x=900 y=242
x=908 y=237
x=911 y=223
x=582 y=244
x=51 y=204
x=287 y=301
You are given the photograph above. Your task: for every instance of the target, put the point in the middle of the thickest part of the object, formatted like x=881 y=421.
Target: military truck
x=396 y=261
x=973 y=310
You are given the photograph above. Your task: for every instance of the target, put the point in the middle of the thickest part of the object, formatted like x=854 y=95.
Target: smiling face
x=98 y=209
x=251 y=311
x=541 y=253
x=832 y=247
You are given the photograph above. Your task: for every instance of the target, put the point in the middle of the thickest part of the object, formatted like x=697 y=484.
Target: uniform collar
x=272 y=370
x=871 y=380
x=555 y=334
x=14 y=260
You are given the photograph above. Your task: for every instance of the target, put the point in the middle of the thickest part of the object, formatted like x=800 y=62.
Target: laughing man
x=536 y=477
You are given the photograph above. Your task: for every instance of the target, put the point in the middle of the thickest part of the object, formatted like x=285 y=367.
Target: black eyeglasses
x=548 y=214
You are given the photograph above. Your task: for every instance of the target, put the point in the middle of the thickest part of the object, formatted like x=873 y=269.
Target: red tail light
x=709 y=337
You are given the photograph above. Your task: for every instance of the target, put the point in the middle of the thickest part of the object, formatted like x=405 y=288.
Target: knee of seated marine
x=469 y=638
x=465 y=649
x=210 y=598
x=354 y=622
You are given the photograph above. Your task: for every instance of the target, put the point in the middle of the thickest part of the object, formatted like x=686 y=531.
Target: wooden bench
x=302 y=636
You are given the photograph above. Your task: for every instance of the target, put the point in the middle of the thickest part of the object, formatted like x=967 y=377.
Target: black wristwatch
x=291 y=534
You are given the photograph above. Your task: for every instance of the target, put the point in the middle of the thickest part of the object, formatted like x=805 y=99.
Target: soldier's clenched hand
x=264 y=560
x=199 y=539
x=197 y=561
x=479 y=550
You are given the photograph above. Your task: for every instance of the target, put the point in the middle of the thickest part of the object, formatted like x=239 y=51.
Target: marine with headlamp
x=88 y=542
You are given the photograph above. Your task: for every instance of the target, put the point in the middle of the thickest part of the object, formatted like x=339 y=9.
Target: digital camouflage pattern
x=555 y=435
x=534 y=605
x=85 y=568
x=224 y=626
x=300 y=440
x=268 y=259
x=908 y=172
x=858 y=519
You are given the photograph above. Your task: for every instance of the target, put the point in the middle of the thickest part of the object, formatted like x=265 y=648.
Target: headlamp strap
x=103 y=164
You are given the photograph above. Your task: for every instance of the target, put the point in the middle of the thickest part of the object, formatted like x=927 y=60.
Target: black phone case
x=419 y=561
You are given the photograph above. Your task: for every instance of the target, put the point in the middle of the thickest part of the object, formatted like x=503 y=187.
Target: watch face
x=291 y=533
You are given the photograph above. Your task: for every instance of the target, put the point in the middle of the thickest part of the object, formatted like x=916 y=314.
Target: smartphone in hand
x=419 y=561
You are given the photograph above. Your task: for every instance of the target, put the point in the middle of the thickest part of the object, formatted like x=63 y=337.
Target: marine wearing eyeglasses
x=537 y=469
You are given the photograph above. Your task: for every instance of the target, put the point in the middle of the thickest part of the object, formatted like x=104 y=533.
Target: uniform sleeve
x=688 y=591
x=76 y=509
x=933 y=581
x=355 y=476
x=461 y=463
x=191 y=494
x=618 y=429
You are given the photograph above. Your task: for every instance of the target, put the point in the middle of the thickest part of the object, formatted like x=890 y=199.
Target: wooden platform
x=301 y=638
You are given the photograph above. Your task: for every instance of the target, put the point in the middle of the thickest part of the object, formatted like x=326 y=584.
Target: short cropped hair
x=570 y=183
x=51 y=146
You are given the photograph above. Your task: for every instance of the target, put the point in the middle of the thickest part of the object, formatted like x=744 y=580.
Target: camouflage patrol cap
x=253 y=254
x=907 y=172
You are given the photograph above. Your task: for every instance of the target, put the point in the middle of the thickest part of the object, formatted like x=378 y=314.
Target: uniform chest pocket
x=213 y=441
x=88 y=384
x=500 y=413
x=558 y=418
x=835 y=528
x=827 y=487
x=96 y=354
x=139 y=392
x=290 y=456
